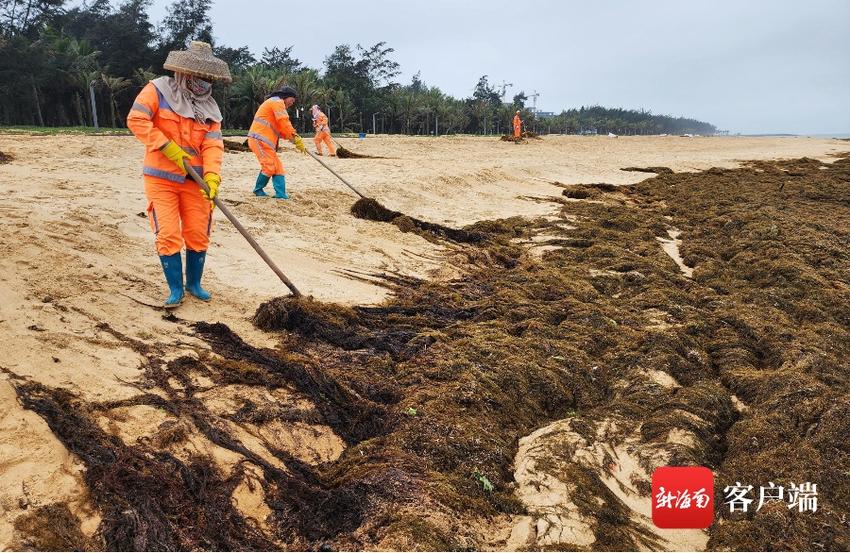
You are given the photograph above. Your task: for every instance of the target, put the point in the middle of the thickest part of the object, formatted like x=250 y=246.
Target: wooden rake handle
x=345 y=182
x=242 y=230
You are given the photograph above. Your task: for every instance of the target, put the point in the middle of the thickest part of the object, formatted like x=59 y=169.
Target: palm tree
x=113 y=85
x=305 y=85
x=80 y=81
x=454 y=117
x=337 y=105
x=76 y=62
x=141 y=77
x=407 y=108
x=249 y=90
x=481 y=109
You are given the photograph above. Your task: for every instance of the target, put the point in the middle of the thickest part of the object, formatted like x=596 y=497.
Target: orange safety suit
x=271 y=123
x=323 y=134
x=178 y=212
x=517 y=126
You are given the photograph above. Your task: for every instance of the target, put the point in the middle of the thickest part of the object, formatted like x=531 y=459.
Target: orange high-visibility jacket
x=321 y=123
x=517 y=121
x=154 y=123
x=271 y=123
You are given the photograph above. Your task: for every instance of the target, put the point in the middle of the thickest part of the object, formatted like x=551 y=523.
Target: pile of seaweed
x=160 y=494
x=371 y=209
x=234 y=146
x=431 y=390
x=588 y=191
x=657 y=170
x=769 y=243
x=6 y=158
x=149 y=499
x=341 y=152
x=524 y=135
x=345 y=153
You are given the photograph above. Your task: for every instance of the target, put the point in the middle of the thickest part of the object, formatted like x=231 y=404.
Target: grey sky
x=746 y=66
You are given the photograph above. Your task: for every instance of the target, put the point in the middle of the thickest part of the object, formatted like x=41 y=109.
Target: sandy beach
x=78 y=266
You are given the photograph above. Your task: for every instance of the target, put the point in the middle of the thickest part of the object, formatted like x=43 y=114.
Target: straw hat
x=199 y=61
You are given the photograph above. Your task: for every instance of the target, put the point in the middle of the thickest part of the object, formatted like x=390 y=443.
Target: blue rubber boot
x=172 y=266
x=262 y=181
x=194 y=272
x=279 y=183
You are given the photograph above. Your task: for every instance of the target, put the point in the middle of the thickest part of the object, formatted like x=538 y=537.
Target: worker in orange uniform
x=177 y=120
x=271 y=123
x=323 y=131
x=517 y=126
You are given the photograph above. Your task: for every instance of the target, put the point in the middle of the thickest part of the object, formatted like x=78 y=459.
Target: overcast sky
x=777 y=66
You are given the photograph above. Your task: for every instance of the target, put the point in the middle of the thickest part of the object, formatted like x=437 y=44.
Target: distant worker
x=517 y=126
x=177 y=120
x=271 y=123
x=323 y=131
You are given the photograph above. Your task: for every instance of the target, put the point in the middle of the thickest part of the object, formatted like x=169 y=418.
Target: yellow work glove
x=212 y=181
x=176 y=154
x=299 y=144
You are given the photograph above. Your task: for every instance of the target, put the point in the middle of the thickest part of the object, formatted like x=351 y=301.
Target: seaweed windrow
x=345 y=153
x=368 y=208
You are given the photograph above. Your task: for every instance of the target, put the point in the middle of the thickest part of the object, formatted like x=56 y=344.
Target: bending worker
x=517 y=126
x=271 y=123
x=323 y=131
x=177 y=119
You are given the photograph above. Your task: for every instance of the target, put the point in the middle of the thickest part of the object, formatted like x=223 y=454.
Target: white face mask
x=198 y=86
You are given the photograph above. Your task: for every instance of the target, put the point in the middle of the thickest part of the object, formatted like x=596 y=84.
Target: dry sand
x=74 y=254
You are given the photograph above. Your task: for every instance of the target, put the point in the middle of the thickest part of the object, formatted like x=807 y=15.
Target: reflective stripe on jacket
x=271 y=123
x=320 y=123
x=154 y=123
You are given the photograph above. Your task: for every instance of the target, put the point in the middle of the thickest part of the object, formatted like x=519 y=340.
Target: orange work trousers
x=324 y=137
x=270 y=164
x=179 y=215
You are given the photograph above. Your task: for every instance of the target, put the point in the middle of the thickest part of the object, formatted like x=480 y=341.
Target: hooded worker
x=178 y=121
x=517 y=125
x=323 y=131
x=271 y=123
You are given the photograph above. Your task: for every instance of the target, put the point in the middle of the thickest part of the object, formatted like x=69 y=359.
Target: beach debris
x=234 y=146
x=345 y=153
x=657 y=170
x=371 y=209
x=485 y=483
x=524 y=135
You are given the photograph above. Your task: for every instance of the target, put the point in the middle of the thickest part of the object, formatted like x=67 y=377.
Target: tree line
x=54 y=56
